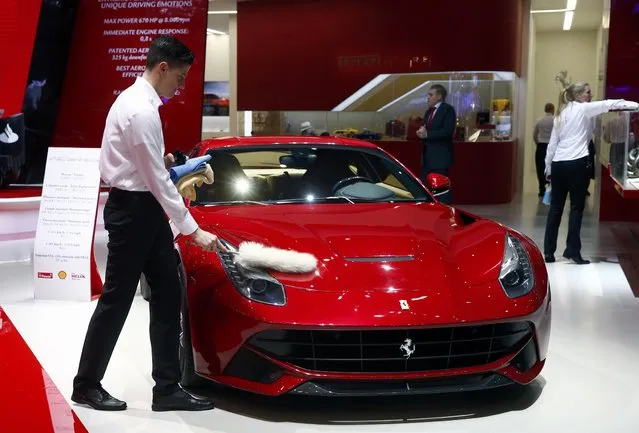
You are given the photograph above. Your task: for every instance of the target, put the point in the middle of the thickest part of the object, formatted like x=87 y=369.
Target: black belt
x=119 y=191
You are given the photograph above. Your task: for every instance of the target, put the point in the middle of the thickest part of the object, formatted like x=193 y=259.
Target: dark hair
x=441 y=90
x=169 y=49
x=549 y=108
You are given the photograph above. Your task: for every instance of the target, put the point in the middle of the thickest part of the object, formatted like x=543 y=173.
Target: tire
x=189 y=378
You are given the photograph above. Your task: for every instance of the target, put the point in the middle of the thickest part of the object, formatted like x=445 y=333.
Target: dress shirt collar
x=154 y=98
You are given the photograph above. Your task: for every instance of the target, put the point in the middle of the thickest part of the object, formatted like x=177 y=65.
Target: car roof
x=221 y=142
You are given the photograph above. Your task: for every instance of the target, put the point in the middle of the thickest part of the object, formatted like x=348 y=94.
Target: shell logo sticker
x=62 y=275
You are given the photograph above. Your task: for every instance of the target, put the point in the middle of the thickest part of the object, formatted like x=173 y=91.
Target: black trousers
x=540 y=165
x=140 y=240
x=592 y=153
x=568 y=177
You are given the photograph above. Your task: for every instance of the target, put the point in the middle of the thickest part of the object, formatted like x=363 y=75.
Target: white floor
x=590 y=382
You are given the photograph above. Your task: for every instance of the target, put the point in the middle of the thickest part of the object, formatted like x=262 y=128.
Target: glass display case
x=391 y=107
x=619 y=149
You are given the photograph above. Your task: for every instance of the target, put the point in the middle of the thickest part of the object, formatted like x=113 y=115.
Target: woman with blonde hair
x=568 y=165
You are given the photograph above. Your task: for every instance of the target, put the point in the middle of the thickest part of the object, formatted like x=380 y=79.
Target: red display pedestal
x=483 y=172
x=616 y=203
x=619 y=204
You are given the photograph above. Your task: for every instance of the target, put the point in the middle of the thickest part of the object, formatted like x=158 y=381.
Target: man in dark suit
x=437 y=133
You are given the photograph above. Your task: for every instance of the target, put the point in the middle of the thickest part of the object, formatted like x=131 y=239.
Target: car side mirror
x=438 y=183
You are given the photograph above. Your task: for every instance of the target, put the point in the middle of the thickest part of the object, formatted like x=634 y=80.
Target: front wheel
x=189 y=378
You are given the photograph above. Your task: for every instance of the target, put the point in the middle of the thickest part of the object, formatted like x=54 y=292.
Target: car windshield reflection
x=304 y=174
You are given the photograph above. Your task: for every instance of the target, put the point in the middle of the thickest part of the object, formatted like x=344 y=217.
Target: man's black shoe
x=549 y=258
x=98 y=399
x=577 y=259
x=181 y=400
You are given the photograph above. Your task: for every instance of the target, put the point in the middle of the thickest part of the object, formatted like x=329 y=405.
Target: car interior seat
x=329 y=168
x=230 y=181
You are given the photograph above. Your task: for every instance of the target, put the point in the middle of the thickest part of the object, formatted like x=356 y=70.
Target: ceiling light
x=214 y=32
x=571 y=5
x=548 y=11
x=568 y=20
x=221 y=12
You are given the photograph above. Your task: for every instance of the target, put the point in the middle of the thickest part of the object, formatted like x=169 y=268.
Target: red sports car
x=409 y=295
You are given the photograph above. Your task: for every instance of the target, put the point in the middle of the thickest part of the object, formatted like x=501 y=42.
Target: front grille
x=384 y=351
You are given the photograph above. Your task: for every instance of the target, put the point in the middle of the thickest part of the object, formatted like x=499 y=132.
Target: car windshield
x=303 y=174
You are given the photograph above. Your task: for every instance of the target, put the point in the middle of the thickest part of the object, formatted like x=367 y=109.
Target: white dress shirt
x=572 y=132
x=132 y=155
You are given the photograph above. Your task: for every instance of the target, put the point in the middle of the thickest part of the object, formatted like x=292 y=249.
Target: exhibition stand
x=619 y=159
x=619 y=134
x=389 y=109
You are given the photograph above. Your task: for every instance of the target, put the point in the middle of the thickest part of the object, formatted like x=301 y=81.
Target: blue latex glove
x=190 y=166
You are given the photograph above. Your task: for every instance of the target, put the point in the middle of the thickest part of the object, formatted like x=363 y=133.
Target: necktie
x=430 y=118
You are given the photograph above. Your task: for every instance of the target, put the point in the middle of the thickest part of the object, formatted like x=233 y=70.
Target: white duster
x=255 y=255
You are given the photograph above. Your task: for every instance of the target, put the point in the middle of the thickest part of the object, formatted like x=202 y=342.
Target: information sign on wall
x=110 y=44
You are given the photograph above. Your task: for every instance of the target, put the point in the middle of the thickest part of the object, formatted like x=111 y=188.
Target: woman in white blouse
x=567 y=164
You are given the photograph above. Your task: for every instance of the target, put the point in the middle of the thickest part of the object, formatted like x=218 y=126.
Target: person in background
x=133 y=164
x=306 y=129
x=437 y=134
x=592 y=152
x=568 y=164
x=541 y=137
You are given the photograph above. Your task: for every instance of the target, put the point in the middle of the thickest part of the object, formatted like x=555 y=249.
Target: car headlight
x=253 y=284
x=516 y=275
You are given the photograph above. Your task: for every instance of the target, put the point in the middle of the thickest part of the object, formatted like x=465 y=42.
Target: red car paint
x=452 y=279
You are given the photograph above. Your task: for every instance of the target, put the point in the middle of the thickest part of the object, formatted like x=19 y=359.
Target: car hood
x=386 y=247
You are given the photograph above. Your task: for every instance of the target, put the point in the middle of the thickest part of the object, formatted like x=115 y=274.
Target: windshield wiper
x=314 y=200
x=285 y=201
x=217 y=203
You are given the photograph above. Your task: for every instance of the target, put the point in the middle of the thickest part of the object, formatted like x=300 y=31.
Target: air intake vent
x=394 y=350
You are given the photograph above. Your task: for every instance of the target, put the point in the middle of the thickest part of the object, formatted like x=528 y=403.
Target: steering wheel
x=349 y=180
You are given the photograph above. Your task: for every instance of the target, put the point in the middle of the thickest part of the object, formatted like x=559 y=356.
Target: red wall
x=622 y=81
x=312 y=54
x=92 y=79
x=18 y=22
